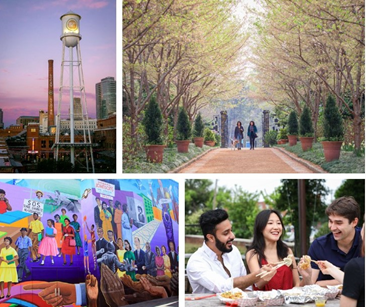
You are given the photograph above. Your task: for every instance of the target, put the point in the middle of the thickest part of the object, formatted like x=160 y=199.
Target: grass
x=171 y=160
x=348 y=162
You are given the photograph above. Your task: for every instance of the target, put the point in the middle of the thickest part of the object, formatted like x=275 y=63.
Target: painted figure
x=23 y=246
x=8 y=270
x=48 y=246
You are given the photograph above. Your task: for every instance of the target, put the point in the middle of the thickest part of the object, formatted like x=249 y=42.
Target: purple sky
x=30 y=35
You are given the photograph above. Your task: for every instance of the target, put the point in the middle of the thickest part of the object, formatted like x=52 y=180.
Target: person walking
x=48 y=246
x=37 y=229
x=238 y=134
x=252 y=133
x=8 y=269
x=23 y=246
x=68 y=244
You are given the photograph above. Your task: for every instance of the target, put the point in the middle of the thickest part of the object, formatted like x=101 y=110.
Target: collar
x=355 y=243
x=209 y=252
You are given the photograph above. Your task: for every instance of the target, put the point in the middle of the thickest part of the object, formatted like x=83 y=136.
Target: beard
x=221 y=246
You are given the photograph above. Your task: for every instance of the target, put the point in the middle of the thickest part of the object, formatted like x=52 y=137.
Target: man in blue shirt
x=342 y=243
x=23 y=246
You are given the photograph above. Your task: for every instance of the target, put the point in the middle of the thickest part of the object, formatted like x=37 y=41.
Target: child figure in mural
x=59 y=234
x=130 y=256
x=159 y=261
x=48 y=246
x=86 y=254
x=167 y=271
x=76 y=226
x=4 y=202
x=8 y=270
x=106 y=217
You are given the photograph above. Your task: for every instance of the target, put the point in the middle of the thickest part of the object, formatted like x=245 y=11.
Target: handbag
x=72 y=242
x=255 y=135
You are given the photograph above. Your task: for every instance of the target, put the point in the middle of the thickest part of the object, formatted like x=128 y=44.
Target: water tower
x=70 y=38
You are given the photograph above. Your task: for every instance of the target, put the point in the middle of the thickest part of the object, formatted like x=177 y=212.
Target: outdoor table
x=169 y=301
x=214 y=301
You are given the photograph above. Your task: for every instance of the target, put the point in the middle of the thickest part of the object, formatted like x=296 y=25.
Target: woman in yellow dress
x=166 y=262
x=106 y=218
x=120 y=254
x=8 y=269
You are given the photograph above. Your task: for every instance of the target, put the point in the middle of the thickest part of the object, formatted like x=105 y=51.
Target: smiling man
x=217 y=266
x=342 y=243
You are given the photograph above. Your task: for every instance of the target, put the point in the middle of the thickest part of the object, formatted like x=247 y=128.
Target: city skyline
x=32 y=37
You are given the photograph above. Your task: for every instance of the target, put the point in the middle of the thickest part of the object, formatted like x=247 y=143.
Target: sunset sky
x=30 y=35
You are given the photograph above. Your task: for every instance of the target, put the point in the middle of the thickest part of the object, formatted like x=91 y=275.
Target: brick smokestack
x=51 y=115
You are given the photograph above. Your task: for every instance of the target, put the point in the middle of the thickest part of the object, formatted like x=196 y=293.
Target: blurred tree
x=198 y=193
x=355 y=188
x=287 y=199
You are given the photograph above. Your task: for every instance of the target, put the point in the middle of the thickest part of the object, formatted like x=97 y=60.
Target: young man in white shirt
x=217 y=266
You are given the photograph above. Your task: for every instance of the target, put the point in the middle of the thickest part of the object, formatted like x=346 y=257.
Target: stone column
x=265 y=126
x=224 y=130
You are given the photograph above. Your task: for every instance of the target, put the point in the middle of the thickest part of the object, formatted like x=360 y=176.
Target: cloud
x=72 y=4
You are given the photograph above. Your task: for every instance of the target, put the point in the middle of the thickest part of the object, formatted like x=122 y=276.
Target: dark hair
x=52 y=222
x=162 y=248
x=35 y=213
x=57 y=215
x=238 y=122
x=252 y=122
x=111 y=231
x=116 y=204
x=124 y=207
x=104 y=203
x=110 y=247
x=9 y=239
x=139 y=208
x=259 y=244
x=2 y=191
x=75 y=215
x=170 y=241
x=210 y=219
x=345 y=206
x=67 y=219
x=129 y=245
x=63 y=209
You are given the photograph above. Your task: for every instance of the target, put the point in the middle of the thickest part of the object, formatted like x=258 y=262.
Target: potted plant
x=270 y=138
x=306 y=130
x=282 y=136
x=153 y=123
x=333 y=131
x=198 y=131
x=209 y=137
x=293 y=128
x=184 y=131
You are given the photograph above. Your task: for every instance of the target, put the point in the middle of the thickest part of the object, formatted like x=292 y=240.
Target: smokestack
x=51 y=116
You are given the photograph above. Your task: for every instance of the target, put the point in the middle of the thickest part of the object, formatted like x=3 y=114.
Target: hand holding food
x=304 y=264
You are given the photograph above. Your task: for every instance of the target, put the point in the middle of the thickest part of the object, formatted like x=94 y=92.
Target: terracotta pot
x=198 y=141
x=332 y=150
x=282 y=141
x=210 y=143
x=292 y=139
x=306 y=143
x=183 y=145
x=154 y=153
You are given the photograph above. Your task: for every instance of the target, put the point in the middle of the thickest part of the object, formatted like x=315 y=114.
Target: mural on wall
x=87 y=242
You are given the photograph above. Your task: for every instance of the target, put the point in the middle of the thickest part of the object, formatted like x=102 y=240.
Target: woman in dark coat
x=238 y=134
x=252 y=133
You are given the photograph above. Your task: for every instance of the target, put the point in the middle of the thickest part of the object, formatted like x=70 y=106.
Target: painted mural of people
x=141 y=215
x=110 y=259
x=167 y=271
x=118 y=219
x=23 y=246
x=120 y=254
x=159 y=261
x=126 y=224
x=97 y=210
x=100 y=244
x=149 y=266
x=110 y=239
x=39 y=196
x=76 y=226
x=67 y=249
x=106 y=218
x=8 y=269
x=37 y=230
x=140 y=256
x=48 y=245
x=173 y=256
x=4 y=202
x=130 y=256
x=112 y=210
x=63 y=217
x=168 y=223
x=59 y=234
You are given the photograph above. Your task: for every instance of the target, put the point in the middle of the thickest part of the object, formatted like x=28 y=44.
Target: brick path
x=260 y=160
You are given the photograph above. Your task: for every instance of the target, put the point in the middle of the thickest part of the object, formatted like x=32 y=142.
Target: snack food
x=232 y=295
x=306 y=262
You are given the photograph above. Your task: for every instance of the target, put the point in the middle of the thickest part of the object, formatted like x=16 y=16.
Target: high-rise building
x=105 y=97
x=1 y=119
x=78 y=111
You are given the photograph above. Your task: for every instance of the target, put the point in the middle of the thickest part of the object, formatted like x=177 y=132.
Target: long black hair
x=258 y=245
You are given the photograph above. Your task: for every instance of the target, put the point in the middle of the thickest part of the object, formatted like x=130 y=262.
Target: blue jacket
x=255 y=130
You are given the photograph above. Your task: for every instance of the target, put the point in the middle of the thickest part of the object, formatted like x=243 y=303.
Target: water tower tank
x=70 y=29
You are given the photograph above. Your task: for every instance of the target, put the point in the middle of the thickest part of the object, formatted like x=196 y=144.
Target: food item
x=288 y=260
x=232 y=295
x=306 y=262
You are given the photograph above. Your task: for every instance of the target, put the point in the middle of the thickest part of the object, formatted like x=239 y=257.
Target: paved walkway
x=260 y=160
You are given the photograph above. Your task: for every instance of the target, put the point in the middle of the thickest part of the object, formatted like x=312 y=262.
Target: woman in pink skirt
x=48 y=246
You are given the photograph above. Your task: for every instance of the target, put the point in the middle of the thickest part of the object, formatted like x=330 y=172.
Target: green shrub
x=306 y=125
x=333 y=124
x=271 y=137
x=217 y=139
x=198 y=126
x=184 y=126
x=293 y=125
x=209 y=135
x=153 y=123
x=283 y=134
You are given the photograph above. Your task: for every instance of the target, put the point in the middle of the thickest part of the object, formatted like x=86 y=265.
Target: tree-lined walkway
x=260 y=160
